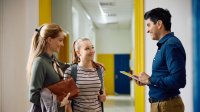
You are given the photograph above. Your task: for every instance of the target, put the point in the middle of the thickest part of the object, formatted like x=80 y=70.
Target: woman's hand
x=65 y=100
x=102 y=97
x=68 y=108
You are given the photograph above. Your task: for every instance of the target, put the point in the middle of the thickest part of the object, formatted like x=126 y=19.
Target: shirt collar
x=50 y=59
x=164 y=39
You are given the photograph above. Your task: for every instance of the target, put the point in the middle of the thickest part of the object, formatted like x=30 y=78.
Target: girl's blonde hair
x=76 y=47
x=38 y=43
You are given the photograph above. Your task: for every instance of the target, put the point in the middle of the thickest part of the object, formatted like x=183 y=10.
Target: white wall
x=85 y=25
x=1 y=50
x=113 y=41
x=18 y=20
x=133 y=53
x=82 y=24
x=182 y=27
x=62 y=15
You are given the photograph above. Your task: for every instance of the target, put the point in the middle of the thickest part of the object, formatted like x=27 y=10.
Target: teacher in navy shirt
x=168 y=68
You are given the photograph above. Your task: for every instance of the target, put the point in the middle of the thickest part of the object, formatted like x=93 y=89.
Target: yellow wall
x=44 y=11
x=64 y=51
x=108 y=61
x=45 y=16
x=139 y=52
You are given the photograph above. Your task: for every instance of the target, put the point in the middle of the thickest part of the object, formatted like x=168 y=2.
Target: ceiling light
x=107 y=3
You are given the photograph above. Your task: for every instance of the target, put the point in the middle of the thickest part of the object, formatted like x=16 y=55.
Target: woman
x=41 y=72
x=87 y=79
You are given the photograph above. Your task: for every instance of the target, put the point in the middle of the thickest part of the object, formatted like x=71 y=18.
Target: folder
x=129 y=75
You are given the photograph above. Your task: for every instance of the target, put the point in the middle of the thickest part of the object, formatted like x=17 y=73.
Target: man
x=168 y=69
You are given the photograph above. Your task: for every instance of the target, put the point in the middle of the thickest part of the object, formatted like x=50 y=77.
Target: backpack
x=74 y=76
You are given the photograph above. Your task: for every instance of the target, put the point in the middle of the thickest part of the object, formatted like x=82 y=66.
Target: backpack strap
x=101 y=89
x=74 y=74
x=74 y=71
x=100 y=77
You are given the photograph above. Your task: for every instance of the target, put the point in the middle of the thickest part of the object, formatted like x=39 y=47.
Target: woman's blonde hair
x=76 y=47
x=38 y=43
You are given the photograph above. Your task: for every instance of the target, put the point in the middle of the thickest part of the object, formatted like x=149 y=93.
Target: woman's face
x=56 y=43
x=86 y=51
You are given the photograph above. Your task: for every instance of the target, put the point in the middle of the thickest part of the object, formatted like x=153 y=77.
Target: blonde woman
x=87 y=78
x=41 y=72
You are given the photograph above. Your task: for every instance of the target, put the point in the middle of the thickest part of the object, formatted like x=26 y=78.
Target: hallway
x=119 y=104
x=20 y=18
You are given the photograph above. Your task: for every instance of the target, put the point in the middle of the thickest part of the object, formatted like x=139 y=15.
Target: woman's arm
x=37 y=81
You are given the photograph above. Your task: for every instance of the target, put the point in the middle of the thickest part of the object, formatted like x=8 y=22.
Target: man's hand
x=139 y=83
x=144 y=78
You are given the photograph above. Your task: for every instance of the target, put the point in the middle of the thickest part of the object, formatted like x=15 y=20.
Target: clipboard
x=129 y=75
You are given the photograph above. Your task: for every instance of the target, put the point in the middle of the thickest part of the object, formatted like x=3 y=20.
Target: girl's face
x=86 y=51
x=56 y=43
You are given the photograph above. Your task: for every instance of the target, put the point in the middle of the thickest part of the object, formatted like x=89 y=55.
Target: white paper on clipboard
x=129 y=75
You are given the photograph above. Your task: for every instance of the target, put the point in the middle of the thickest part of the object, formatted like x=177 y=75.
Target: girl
x=87 y=79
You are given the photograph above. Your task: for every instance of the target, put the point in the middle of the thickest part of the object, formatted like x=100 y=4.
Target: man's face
x=153 y=29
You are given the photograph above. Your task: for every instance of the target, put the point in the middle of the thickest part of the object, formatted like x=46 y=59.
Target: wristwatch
x=149 y=81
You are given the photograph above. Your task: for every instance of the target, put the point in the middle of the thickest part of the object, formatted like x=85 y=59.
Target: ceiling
x=109 y=13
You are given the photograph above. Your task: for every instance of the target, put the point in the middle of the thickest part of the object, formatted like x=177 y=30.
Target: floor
x=119 y=104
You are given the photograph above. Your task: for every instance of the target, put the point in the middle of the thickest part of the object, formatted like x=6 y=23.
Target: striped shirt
x=89 y=85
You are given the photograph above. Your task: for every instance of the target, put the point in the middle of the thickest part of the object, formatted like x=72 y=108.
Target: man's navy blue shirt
x=168 y=69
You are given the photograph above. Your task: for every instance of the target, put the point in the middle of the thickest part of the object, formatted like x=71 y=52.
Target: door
x=122 y=82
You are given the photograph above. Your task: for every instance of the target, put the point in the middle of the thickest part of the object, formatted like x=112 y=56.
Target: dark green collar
x=49 y=58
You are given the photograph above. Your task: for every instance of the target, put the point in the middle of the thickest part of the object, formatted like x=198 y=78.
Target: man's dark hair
x=159 y=14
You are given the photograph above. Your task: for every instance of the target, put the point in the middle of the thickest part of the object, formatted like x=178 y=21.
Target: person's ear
x=78 y=53
x=49 y=40
x=159 y=24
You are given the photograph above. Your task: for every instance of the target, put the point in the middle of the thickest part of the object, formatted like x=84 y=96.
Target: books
x=129 y=75
x=63 y=87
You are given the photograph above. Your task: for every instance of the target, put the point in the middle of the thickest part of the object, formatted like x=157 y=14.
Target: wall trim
x=1 y=53
x=139 y=61
x=45 y=11
x=196 y=60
